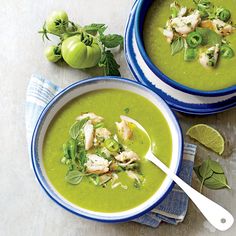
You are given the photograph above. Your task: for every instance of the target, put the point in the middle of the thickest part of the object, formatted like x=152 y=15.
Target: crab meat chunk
x=96 y=164
x=180 y=10
x=169 y=34
x=124 y=129
x=222 y=28
x=127 y=157
x=210 y=57
x=186 y=24
x=88 y=134
x=101 y=134
x=92 y=116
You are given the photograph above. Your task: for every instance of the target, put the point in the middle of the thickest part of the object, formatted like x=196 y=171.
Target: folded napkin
x=171 y=210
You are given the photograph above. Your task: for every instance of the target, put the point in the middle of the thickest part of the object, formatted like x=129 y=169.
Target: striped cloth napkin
x=171 y=210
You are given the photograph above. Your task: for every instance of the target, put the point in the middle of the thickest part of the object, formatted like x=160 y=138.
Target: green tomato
x=80 y=54
x=57 y=22
x=53 y=53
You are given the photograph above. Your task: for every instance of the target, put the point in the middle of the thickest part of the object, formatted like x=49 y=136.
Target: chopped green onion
x=226 y=52
x=223 y=14
x=112 y=145
x=194 y=39
x=63 y=160
x=68 y=162
x=99 y=125
x=95 y=179
x=190 y=54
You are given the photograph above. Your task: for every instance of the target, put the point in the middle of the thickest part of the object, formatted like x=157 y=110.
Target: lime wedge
x=207 y=136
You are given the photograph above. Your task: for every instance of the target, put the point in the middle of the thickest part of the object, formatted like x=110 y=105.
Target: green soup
x=190 y=74
x=110 y=104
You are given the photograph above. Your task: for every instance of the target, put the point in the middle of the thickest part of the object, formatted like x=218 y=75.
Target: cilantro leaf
x=109 y=64
x=112 y=40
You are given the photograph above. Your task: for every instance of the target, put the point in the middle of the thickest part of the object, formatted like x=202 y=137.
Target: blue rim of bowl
x=34 y=155
x=140 y=14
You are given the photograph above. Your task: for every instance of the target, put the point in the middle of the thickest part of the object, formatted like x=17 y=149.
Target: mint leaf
x=112 y=40
x=76 y=127
x=109 y=64
x=177 y=46
x=74 y=177
x=217 y=181
x=211 y=175
x=209 y=37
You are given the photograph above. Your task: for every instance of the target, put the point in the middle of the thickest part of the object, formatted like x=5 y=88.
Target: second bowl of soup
x=190 y=45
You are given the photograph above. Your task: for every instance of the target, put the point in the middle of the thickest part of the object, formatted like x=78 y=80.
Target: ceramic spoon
x=220 y=218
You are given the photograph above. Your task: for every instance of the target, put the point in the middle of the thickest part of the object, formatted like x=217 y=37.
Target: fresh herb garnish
x=109 y=63
x=209 y=37
x=177 y=46
x=112 y=40
x=102 y=160
x=211 y=175
x=74 y=177
x=126 y=110
x=76 y=127
x=205 y=28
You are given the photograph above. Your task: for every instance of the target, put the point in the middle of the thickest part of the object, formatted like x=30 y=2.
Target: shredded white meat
x=92 y=116
x=88 y=134
x=124 y=129
x=96 y=164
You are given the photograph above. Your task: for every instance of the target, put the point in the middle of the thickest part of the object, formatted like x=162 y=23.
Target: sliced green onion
x=99 y=125
x=94 y=179
x=112 y=145
x=63 y=160
x=223 y=14
x=190 y=54
x=226 y=52
x=194 y=39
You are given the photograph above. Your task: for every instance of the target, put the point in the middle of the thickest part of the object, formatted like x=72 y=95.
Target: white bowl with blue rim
x=178 y=96
x=75 y=90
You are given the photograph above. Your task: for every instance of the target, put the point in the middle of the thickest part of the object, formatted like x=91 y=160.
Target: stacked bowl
x=178 y=96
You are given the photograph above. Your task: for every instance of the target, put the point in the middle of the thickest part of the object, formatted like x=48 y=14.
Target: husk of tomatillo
x=80 y=52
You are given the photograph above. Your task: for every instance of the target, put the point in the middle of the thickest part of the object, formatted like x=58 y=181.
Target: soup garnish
x=201 y=32
x=93 y=152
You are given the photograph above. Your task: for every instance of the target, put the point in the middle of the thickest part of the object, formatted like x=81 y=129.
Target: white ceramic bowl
x=76 y=90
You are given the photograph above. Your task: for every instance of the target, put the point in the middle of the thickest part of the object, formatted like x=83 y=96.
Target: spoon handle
x=220 y=218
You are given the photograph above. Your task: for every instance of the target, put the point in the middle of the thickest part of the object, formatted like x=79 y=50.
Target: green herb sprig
x=211 y=175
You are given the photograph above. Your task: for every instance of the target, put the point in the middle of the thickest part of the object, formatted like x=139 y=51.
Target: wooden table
x=25 y=208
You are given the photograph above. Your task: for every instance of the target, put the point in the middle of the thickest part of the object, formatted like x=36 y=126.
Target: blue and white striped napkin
x=171 y=210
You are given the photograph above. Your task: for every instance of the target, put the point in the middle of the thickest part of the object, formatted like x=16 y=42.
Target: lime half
x=207 y=136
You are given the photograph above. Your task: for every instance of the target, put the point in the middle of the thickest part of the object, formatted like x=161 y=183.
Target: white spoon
x=220 y=218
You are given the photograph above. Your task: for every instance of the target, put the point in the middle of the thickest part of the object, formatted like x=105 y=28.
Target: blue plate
x=178 y=100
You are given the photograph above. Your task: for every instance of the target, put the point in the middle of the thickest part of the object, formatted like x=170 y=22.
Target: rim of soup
x=198 y=54
x=129 y=175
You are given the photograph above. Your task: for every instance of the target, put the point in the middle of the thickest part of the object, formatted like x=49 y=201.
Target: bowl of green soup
x=92 y=163
x=189 y=45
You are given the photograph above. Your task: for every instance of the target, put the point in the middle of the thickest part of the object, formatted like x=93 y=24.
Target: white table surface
x=24 y=207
